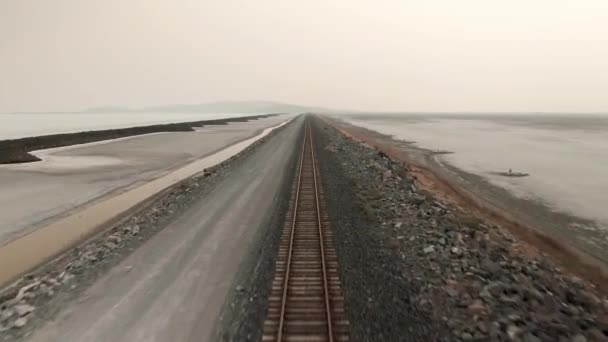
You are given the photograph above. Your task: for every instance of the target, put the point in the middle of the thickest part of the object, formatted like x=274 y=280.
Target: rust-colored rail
x=306 y=301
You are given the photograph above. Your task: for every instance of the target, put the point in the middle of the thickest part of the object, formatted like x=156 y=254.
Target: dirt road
x=174 y=286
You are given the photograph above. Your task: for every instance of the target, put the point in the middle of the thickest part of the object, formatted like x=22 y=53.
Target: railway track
x=306 y=301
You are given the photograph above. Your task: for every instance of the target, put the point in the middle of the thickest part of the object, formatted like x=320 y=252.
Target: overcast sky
x=408 y=55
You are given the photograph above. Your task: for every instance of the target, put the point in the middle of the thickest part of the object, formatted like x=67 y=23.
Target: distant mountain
x=217 y=107
x=233 y=107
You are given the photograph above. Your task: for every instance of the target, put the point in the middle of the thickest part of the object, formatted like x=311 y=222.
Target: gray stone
x=490 y=266
x=25 y=289
x=110 y=245
x=23 y=309
x=53 y=282
x=591 y=298
x=531 y=338
x=514 y=317
x=398 y=224
x=67 y=277
x=513 y=332
x=510 y=299
x=114 y=238
x=452 y=292
x=442 y=241
x=90 y=256
x=44 y=288
x=578 y=282
x=466 y=336
x=496 y=287
x=441 y=205
x=20 y=322
x=6 y=314
x=429 y=249
x=597 y=335
x=477 y=307
x=417 y=199
x=579 y=338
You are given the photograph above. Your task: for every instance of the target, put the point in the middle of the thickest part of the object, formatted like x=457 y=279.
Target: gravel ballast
x=415 y=269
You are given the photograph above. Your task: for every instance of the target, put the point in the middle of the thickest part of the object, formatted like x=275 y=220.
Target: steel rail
x=292 y=234
x=305 y=302
x=323 y=265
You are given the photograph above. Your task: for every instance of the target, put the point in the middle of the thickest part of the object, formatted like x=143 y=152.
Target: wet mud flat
x=415 y=267
x=39 y=295
x=17 y=150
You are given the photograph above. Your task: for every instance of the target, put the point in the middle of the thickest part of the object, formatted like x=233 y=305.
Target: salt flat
x=34 y=194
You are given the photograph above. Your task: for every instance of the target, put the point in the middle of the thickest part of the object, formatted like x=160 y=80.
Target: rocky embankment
x=414 y=268
x=17 y=150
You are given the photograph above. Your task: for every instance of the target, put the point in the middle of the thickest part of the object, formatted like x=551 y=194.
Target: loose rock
x=23 y=309
x=20 y=322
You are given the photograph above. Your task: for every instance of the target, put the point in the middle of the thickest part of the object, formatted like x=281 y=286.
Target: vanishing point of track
x=306 y=301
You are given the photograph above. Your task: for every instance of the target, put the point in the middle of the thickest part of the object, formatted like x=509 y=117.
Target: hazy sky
x=414 y=55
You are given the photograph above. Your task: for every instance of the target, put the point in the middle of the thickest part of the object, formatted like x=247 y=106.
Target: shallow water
x=566 y=157
x=14 y=126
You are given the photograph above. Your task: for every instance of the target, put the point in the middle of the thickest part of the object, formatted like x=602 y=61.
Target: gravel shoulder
x=70 y=295
x=417 y=269
x=245 y=308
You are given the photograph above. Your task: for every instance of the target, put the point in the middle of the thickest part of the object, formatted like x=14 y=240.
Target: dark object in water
x=510 y=173
x=441 y=152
